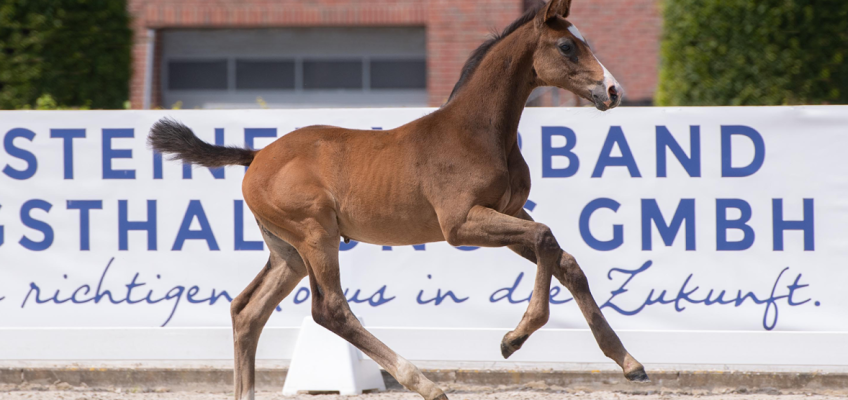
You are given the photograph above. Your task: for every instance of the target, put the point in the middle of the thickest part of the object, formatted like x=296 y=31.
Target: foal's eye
x=565 y=47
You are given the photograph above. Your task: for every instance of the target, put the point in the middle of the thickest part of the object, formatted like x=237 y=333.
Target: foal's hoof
x=638 y=375
x=441 y=397
x=511 y=346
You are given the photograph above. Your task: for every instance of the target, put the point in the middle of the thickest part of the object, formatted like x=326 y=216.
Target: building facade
x=354 y=53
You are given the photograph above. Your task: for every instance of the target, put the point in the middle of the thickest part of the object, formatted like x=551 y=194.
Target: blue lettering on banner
x=240 y=243
x=17 y=152
x=439 y=298
x=548 y=152
x=605 y=159
x=68 y=136
x=195 y=210
x=554 y=292
x=686 y=295
x=109 y=153
x=691 y=163
x=82 y=295
x=683 y=296
x=723 y=224
x=685 y=212
x=617 y=230
x=194 y=290
x=125 y=225
x=38 y=225
x=377 y=299
x=807 y=225
x=624 y=300
x=651 y=216
x=157 y=165
x=727 y=169
x=507 y=294
x=84 y=206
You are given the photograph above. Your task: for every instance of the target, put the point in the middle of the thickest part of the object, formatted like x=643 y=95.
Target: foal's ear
x=553 y=9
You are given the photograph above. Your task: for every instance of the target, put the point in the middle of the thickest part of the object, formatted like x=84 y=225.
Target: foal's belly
x=390 y=225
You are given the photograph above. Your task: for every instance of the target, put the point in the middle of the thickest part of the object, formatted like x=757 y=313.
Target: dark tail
x=168 y=136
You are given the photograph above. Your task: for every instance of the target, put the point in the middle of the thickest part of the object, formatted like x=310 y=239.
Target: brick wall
x=626 y=38
x=164 y=14
x=454 y=29
x=625 y=34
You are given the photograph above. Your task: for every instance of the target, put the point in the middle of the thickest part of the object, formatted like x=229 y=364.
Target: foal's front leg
x=487 y=227
x=538 y=311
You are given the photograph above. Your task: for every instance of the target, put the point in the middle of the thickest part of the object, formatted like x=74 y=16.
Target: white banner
x=684 y=219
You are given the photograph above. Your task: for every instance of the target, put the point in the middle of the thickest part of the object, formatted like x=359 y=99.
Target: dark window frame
x=176 y=82
x=287 y=80
x=329 y=79
x=384 y=82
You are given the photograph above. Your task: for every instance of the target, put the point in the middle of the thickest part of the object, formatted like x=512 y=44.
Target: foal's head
x=564 y=59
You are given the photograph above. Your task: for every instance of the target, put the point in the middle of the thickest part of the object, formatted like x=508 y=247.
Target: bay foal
x=456 y=175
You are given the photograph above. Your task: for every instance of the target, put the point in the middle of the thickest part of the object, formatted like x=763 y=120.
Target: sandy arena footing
x=78 y=382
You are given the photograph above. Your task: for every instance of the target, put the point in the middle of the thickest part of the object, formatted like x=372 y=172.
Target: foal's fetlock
x=510 y=343
x=634 y=371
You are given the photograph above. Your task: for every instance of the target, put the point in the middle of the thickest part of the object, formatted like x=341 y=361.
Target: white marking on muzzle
x=609 y=80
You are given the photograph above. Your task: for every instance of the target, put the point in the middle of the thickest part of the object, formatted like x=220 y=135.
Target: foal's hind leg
x=320 y=250
x=486 y=227
x=252 y=308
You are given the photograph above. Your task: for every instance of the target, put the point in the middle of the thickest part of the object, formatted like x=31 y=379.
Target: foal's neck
x=494 y=96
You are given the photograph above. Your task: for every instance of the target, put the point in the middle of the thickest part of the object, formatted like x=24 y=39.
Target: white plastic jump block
x=324 y=362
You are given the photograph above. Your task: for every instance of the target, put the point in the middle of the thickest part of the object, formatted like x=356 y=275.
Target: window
x=398 y=74
x=197 y=75
x=335 y=74
x=293 y=67
x=264 y=74
x=279 y=74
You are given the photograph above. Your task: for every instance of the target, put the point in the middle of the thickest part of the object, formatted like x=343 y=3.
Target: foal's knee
x=245 y=324
x=570 y=274
x=333 y=315
x=240 y=312
x=237 y=306
x=544 y=240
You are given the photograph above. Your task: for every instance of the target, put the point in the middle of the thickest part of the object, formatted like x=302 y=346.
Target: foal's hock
x=455 y=175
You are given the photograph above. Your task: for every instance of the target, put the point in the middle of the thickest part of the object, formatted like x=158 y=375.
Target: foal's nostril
x=613 y=94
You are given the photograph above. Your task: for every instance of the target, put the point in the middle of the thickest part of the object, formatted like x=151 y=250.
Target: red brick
x=625 y=34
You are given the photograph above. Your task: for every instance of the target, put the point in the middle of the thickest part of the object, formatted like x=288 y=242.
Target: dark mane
x=478 y=54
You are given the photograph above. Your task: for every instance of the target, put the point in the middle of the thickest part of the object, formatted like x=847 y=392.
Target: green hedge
x=75 y=53
x=754 y=52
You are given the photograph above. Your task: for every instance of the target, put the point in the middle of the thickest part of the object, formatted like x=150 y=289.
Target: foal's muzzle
x=606 y=95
